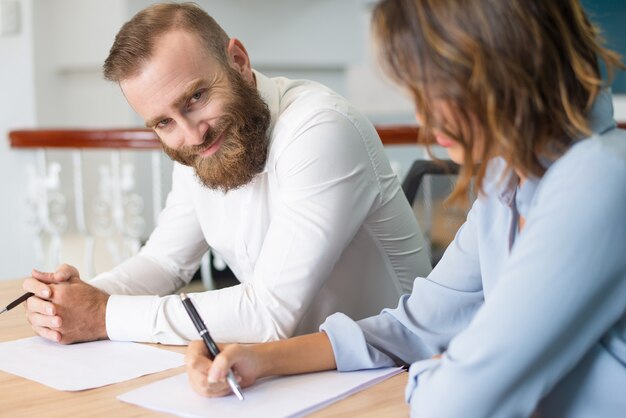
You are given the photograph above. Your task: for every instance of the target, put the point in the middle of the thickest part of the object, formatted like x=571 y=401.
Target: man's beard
x=243 y=152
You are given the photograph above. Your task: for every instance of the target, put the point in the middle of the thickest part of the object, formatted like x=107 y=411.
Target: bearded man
x=284 y=179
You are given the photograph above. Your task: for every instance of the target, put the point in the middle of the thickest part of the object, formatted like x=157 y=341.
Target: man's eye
x=196 y=97
x=163 y=123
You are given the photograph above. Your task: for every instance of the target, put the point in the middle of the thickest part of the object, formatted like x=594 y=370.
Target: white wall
x=71 y=41
x=292 y=38
x=17 y=110
x=619 y=107
x=323 y=40
x=50 y=76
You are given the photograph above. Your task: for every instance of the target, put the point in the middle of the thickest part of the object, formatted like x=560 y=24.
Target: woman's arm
x=422 y=325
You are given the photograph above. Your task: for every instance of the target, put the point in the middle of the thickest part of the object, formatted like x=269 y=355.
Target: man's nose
x=193 y=132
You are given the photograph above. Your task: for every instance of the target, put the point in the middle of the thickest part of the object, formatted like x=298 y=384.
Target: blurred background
x=51 y=53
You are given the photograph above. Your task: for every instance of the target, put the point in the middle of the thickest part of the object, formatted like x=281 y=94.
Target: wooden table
x=20 y=397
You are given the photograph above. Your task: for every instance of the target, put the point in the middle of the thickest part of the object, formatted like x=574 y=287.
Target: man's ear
x=239 y=60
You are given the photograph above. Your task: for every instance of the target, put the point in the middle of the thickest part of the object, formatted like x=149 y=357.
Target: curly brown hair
x=519 y=76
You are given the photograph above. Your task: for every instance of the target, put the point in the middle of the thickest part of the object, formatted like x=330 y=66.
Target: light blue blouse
x=534 y=321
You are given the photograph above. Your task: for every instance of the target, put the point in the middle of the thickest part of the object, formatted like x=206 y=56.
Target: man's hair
x=134 y=43
x=518 y=75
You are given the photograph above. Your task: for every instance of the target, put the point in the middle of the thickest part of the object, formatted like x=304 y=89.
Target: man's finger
x=39 y=288
x=47 y=333
x=45 y=277
x=40 y=306
x=64 y=272
x=44 y=321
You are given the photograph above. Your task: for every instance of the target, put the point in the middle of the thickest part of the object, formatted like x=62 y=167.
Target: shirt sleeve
x=562 y=288
x=422 y=325
x=326 y=187
x=166 y=263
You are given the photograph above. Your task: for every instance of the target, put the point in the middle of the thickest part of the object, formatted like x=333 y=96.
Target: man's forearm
x=139 y=275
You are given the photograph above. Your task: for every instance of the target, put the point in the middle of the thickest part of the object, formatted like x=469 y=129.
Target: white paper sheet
x=83 y=366
x=287 y=396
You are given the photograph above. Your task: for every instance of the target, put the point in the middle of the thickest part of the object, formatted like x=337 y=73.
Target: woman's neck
x=521 y=221
x=521 y=177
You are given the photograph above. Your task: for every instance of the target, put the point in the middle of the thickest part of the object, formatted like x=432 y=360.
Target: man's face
x=206 y=116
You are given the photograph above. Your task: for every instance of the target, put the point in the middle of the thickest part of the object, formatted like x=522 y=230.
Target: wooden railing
x=146 y=139
x=84 y=138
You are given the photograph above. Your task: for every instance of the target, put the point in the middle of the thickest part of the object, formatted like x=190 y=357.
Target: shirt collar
x=600 y=117
x=269 y=93
x=268 y=90
x=507 y=186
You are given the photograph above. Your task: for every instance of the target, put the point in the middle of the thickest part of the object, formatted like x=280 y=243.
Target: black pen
x=17 y=302
x=208 y=341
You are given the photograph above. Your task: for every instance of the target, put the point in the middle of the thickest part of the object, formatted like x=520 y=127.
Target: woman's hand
x=208 y=378
x=303 y=354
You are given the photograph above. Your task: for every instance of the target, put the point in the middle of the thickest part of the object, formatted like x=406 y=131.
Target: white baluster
x=119 y=209
x=47 y=204
x=79 y=208
x=134 y=224
x=157 y=184
x=33 y=200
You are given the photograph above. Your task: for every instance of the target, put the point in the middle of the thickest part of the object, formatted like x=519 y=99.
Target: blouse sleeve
x=439 y=307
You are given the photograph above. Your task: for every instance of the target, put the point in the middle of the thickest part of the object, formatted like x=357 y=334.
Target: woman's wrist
x=303 y=354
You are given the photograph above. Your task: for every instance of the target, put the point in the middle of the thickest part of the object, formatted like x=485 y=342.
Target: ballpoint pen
x=17 y=302
x=208 y=341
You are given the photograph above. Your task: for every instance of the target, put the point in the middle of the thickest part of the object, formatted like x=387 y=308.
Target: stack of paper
x=83 y=366
x=273 y=397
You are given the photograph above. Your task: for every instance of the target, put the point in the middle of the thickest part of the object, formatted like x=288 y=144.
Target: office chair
x=427 y=186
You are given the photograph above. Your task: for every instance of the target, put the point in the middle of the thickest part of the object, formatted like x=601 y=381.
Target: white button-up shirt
x=324 y=228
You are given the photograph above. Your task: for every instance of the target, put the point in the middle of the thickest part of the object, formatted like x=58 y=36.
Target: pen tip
x=183 y=296
x=3 y=311
x=238 y=394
